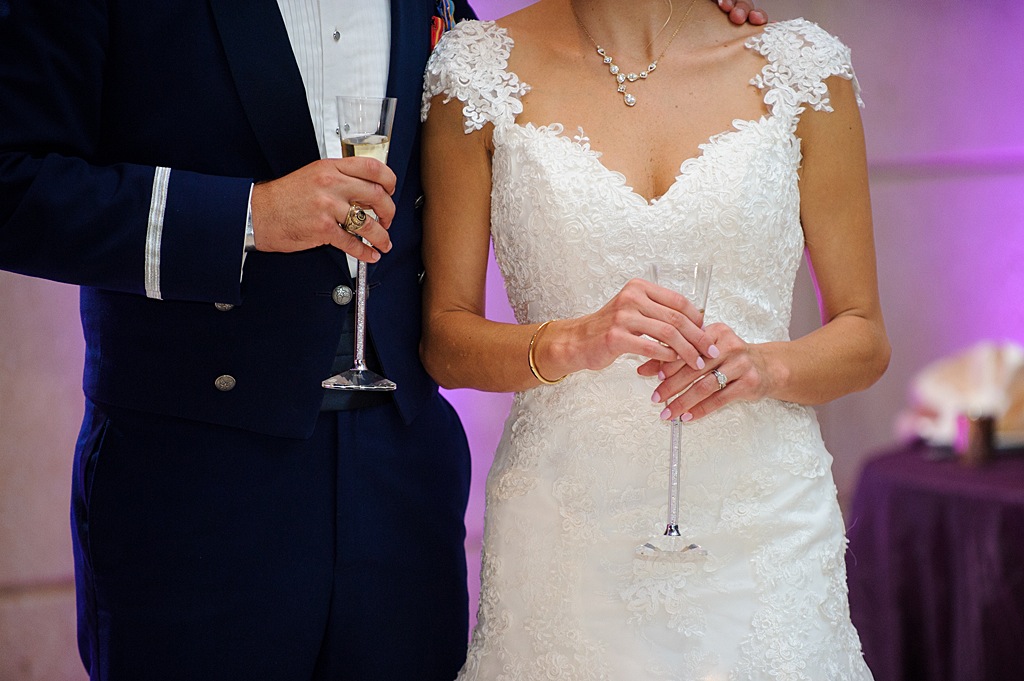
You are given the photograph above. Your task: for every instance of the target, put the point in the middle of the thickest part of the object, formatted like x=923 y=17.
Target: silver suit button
x=224 y=307
x=342 y=295
x=225 y=383
x=336 y=35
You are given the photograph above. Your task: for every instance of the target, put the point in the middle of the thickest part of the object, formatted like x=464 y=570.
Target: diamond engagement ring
x=355 y=220
x=722 y=380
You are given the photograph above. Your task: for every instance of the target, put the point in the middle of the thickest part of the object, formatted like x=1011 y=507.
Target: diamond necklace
x=622 y=78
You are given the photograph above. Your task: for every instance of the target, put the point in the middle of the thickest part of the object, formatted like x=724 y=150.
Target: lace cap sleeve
x=801 y=55
x=469 y=64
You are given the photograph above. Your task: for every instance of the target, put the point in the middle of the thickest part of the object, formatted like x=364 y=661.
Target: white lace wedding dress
x=580 y=476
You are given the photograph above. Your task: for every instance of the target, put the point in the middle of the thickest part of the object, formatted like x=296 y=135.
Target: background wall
x=41 y=351
x=943 y=82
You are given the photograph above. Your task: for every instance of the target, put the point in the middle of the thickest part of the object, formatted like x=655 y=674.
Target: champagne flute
x=365 y=127
x=692 y=279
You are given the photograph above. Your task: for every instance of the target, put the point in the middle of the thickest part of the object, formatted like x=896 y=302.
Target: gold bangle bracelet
x=533 y=360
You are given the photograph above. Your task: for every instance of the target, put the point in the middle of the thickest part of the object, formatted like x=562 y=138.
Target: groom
x=231 y=519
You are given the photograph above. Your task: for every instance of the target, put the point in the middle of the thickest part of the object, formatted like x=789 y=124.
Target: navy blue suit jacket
x=94 y=96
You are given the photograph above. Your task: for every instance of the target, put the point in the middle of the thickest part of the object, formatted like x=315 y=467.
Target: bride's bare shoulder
x=536 y=26
x=536 y=20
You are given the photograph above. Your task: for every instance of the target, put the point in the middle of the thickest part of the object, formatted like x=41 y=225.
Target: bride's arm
x=850 y=351
x=455 y=343
x=460 y=347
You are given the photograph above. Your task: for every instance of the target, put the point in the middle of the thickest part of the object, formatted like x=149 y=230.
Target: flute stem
x=360 y=349
x=675 y=453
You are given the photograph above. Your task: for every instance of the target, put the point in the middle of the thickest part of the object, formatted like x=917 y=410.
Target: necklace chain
x=621 y=79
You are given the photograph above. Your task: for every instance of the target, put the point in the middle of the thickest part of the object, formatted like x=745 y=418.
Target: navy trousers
x=204 y=552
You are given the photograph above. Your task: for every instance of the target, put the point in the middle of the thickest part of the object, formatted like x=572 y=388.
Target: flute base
x=358 y=379
x=671 y=548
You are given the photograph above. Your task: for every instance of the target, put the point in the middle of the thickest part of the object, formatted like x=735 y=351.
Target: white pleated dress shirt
x=342 y=48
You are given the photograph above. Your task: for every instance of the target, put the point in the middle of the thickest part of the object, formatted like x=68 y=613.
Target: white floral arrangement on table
x=986 y=380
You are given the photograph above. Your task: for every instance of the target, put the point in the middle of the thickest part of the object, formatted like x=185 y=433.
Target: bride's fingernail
x=656 y=397
x=665 y=415
x=700 y=362
x=713 y=352
x=686 y=417
x=661 y=375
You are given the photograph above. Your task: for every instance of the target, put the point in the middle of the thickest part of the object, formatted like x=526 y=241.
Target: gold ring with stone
x=355 y=220
x=722 y=380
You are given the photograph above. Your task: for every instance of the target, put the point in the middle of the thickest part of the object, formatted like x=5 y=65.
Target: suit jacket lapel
x=268 y=81
x=410 y=46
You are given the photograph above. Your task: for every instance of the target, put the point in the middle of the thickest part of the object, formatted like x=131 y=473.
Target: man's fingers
x=369 y=169
x=741 y=11
x=372 y=231
x=354 y=246
x=372 y=198
x=757 y=17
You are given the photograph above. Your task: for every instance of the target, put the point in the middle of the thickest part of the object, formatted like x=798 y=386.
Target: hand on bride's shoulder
x=741 y=12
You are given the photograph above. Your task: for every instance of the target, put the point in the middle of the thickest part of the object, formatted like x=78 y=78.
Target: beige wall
x=943 y=84
x=40 y=406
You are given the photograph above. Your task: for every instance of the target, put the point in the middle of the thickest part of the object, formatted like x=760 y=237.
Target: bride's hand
x=643 y=319
x=740 y=365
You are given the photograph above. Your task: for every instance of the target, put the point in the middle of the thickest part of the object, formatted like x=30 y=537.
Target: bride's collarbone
x=647 y=143
x=687 y=99
x=693 y=106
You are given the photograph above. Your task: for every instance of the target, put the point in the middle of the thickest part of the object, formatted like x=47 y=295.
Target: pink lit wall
x=944 y=86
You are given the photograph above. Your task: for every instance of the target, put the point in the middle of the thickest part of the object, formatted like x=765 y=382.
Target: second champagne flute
x=692 y=279
x=365 y=127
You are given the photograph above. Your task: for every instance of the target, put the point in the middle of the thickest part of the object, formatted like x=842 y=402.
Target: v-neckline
x=739 y=125
x=557 y=131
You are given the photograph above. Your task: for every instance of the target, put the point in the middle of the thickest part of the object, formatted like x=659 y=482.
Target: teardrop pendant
x=622 y=78
x=631 y=76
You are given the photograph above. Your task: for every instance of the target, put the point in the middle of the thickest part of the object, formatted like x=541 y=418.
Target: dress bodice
x=557 y=210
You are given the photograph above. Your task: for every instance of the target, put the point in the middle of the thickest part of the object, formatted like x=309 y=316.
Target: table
x=936 y=566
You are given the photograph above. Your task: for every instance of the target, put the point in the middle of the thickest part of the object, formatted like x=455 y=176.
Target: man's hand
x=741 y=12
x=305 y=208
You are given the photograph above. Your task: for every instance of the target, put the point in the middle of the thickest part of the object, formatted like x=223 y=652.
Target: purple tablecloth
x=936 y=567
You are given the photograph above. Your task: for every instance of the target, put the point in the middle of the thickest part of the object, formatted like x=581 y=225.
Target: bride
x=735 y=145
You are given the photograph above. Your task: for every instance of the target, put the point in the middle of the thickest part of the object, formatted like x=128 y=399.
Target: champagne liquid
x=374 y=146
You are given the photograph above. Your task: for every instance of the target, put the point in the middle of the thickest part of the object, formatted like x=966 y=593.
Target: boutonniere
x=444 y=21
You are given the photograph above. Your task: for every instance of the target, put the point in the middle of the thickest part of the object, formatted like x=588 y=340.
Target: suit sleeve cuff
x=249 y=242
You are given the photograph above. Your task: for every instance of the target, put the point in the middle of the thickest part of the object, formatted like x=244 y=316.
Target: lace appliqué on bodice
x=801 y=56
x=469 y=64
x=580 y=475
